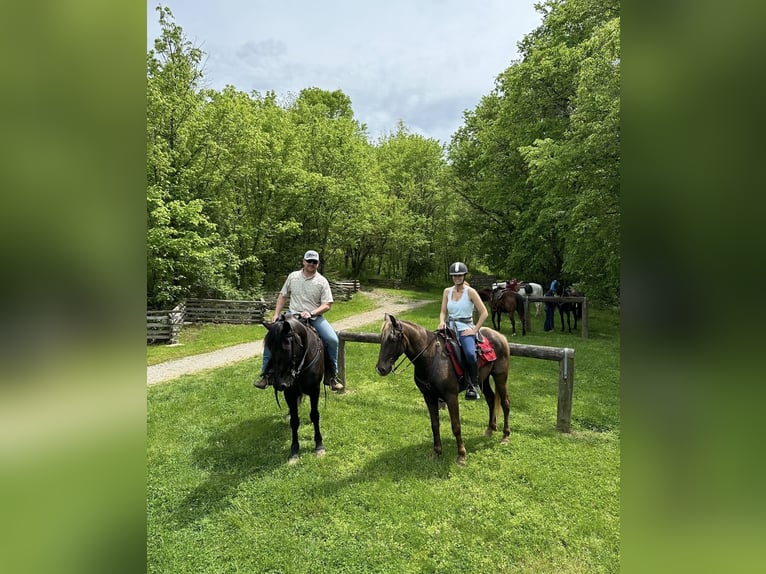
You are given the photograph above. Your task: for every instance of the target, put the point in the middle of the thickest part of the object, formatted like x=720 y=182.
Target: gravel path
x=169 y=370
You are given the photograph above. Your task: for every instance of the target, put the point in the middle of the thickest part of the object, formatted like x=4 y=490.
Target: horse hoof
x=488 y=432
x=320 y=451
x=293 y=459
x=461 y=460
x=505 y=440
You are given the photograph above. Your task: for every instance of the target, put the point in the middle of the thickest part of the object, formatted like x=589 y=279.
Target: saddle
x=454 y=351
x=485 y=353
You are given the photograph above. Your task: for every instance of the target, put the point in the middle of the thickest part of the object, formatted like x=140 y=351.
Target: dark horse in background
x=567 y=307
x=435 y=376
x=501 y=301
x=297 y=367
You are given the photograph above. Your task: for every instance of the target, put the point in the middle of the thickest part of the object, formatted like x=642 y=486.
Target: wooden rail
x=224 y=311
x=564 y=356
x=165 y=326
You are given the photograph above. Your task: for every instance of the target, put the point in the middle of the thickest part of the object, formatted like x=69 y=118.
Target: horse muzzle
x=383 y=370
x=283 y=385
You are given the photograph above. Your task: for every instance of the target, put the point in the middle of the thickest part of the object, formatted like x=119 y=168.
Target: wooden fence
x=343 y=290
x=564 y=356
x=224 y=311
x=165 y=326
x=481 y=281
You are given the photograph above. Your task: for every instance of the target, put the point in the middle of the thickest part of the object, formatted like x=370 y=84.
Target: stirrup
x=471 y=393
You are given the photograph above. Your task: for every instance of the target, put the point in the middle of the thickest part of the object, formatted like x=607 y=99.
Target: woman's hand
x=442 y=326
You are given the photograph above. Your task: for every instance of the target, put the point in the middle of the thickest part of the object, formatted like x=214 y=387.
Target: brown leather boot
x=263 y=382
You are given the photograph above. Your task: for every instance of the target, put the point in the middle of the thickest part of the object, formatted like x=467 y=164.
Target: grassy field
x=221 y=497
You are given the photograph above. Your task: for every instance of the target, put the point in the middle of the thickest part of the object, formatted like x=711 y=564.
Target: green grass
x=221 y=497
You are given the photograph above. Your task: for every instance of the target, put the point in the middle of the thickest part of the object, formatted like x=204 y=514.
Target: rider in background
x=458 y=303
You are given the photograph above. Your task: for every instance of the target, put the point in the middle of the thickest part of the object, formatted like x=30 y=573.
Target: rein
x=297 y=371
x=405 y=358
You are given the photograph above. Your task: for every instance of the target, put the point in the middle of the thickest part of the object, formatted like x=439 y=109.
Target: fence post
x=566 y=386
x=527 y=318
x=342 y=361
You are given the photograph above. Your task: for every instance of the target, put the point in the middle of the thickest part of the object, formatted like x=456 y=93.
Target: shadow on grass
x=250 y=448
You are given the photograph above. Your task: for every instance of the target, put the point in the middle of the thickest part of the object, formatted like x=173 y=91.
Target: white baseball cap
x=311 y=254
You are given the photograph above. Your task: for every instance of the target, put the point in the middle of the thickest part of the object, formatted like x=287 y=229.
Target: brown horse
x=510 y=302
x=436 y=379
x=491 y=297
x=297 y=367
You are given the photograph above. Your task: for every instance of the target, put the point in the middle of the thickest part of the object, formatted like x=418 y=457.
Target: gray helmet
x=458 y=268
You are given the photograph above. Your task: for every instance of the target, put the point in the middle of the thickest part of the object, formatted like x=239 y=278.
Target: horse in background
x=489 y=296
x=526 y=289
x=567 y=307
x=508 y=301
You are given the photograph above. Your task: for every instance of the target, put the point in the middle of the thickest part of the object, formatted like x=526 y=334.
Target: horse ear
x=394 y=322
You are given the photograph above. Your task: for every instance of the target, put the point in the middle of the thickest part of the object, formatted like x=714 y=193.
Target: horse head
x=287 y=347
x=391 y=344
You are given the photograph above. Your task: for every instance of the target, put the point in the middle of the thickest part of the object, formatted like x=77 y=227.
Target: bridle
x=399 y=333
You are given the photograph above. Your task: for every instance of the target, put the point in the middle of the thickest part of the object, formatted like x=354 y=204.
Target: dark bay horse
x=297 y=367
x=567 y=307
x=508 y=301
x=436 y=379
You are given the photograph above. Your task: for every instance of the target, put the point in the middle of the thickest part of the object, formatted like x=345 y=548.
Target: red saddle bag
x=485 y=351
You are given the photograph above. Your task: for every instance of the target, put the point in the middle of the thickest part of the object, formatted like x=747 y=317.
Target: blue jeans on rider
x=469 y=347
x=326 y=333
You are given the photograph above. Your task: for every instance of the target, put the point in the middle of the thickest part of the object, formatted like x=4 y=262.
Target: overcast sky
x=420 y=61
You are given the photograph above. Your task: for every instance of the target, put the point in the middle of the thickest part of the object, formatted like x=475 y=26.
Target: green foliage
x=240 y=185
x=222 y=498
x=540 y=156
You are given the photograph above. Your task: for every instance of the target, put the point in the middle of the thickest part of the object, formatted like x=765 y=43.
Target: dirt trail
x=169 y=370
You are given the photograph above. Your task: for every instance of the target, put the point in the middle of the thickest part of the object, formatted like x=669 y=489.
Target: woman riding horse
x=436 y=378
x=458 y=303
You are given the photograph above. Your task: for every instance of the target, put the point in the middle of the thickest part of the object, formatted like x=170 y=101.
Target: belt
x=462 y=319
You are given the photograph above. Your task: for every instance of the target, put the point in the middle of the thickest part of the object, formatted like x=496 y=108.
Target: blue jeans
x=549 y=321
x=469 y=347
x=326 y=333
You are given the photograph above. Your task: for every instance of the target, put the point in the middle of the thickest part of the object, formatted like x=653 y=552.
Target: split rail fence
x=564 y=356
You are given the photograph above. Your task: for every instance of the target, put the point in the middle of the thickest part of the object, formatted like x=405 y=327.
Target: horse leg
x=318 y=445
x=501 y=390
x=523 y=322
x=513 y=324
x=454 y=417
x=292 y=403
x=433 y=410
x=489 y=396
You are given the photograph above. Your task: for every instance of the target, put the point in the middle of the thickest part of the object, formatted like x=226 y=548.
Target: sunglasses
x=312 y=261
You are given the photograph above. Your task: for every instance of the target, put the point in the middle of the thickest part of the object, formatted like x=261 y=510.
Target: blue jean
x=469 y=347
x=326 y=333
x=549 y=321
